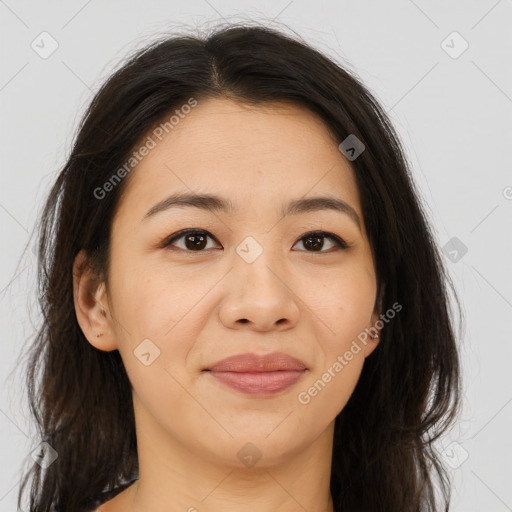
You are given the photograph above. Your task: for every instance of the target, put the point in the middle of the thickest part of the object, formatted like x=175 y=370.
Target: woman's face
x=248 y=281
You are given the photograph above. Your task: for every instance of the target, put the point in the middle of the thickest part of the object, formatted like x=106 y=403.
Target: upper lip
x=250 y=362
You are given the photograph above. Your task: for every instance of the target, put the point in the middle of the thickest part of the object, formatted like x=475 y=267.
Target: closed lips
x=250 y=362
x=258 y=375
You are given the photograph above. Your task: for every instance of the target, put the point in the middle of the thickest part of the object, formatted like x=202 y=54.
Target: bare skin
x=201 y=305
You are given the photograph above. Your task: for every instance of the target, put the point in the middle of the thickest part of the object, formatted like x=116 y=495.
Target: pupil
x=198 y=245
x=317 y=243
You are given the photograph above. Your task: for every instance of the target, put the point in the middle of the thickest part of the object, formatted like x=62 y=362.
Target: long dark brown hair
x=384 y=456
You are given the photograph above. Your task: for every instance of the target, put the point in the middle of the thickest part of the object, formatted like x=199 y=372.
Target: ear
x=371 y=343
x=91 y=305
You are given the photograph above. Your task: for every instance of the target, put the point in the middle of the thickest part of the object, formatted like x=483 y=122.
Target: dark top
x=99 y=499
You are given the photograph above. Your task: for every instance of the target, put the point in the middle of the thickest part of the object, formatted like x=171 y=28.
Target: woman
x=244 y=304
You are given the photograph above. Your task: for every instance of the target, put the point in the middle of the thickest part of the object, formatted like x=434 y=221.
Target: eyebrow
x=213 y=203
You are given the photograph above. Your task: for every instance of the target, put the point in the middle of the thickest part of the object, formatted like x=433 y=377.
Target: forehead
x=262 y=155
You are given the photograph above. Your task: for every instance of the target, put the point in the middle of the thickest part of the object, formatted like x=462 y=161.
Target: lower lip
x=259 y=383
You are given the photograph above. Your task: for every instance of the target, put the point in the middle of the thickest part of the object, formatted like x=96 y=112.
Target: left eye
x=314 y=240
x=195 y=240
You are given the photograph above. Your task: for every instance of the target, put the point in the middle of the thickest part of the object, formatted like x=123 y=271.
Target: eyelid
x=339 y=242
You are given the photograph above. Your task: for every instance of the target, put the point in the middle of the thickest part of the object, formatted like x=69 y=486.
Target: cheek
x=328 y=390
x=149 y=302
x=342 y=305
x=342 y=311
x=146 y=309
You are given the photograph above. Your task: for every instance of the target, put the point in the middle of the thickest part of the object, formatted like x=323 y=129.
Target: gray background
x=453 y=111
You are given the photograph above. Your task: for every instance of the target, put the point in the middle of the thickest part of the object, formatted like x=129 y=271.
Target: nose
x=259 y=296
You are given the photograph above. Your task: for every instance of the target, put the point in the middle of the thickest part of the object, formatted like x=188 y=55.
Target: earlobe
x=374 y=333
x=372 y=343
x=89 y=298
x=376 y=325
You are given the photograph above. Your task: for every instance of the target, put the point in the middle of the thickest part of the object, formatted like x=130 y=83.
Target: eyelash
x=339 y=242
